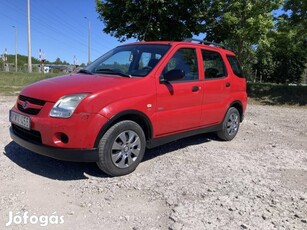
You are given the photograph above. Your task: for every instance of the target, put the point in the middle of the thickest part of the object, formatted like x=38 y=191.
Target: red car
x=134 y=97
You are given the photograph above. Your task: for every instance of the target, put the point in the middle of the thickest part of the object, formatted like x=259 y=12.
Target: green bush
x=276 y=94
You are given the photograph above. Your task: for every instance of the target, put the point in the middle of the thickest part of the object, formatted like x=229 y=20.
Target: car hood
x=54 y=88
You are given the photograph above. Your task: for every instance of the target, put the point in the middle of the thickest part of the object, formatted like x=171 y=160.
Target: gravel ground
x=256 y=181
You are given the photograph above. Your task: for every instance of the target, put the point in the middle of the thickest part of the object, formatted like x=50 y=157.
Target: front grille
x=30 y=111
x=32 y=101
x=29 y=135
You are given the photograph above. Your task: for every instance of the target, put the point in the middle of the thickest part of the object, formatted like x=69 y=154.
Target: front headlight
x=66 y=105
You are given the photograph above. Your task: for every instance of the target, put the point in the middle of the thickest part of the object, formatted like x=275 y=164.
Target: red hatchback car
x=134 y=97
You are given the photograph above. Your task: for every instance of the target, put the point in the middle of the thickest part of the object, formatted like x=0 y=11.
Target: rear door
x=217 y=88
x=179 y=102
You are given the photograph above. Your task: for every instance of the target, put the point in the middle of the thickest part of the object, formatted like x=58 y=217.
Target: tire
x=230 y=126
x=121 y=148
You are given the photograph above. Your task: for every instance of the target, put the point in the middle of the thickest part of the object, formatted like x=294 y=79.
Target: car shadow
x=179 y=144
x=65 y=171
x=49 y=167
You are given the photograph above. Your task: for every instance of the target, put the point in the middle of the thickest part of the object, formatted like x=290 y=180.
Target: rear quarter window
x=235 y=65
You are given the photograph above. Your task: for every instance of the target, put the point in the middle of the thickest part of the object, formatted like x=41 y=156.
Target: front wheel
x=230 y=124
x=121 y=148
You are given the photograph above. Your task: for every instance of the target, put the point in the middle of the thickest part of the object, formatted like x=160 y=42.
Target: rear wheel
x=121 y=148
x=231 y=125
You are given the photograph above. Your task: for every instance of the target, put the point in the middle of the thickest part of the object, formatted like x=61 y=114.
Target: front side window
x=184 y=59
x=130 y=60
x=213 y=65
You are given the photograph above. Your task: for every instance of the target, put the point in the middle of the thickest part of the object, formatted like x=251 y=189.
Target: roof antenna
x=144 y=36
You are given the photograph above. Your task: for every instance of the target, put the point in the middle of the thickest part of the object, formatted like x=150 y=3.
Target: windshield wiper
x=85 y=71
x=113 y=71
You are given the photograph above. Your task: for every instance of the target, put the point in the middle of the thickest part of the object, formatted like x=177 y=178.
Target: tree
x=264 y=66
x=289 y=54
x=297 y=20
x=58 y=61
x=151 y=19
x=298 y=17
x=241 y=25
x=282 y=57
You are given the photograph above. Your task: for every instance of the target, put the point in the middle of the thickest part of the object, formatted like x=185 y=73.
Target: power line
x=44 y=20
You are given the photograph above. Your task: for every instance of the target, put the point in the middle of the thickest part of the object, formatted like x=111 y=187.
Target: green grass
x=273 y=94
x=11 y=83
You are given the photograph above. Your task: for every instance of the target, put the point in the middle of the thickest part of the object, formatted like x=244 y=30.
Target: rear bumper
x=77 y=155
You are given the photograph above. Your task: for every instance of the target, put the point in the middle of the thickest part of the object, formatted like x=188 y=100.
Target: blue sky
x=58 y=28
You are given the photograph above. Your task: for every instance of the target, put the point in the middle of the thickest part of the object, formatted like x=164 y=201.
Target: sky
x=58 y=28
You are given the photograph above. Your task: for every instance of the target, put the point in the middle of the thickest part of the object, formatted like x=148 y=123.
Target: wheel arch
x=238 y=105
x=133 y=115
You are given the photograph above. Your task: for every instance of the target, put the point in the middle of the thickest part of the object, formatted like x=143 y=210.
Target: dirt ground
x=256 y=181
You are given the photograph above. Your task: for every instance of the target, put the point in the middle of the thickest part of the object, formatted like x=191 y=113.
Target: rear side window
x=213 y=65
x=235 y=65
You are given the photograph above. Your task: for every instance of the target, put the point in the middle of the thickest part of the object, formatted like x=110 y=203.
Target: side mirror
x=173 y=75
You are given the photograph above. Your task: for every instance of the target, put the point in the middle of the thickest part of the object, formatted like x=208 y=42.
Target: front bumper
x=66 y=154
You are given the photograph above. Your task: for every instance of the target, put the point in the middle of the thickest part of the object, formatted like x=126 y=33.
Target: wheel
x=231 y=125
x=121 y=148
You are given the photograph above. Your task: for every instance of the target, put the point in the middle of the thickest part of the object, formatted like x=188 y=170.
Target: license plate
x=20 y=120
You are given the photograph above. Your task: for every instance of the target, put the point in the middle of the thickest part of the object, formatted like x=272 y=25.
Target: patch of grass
x=11 y=83
x=274 y=94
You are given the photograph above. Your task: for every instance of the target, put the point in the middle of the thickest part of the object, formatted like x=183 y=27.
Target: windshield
x=130 y=60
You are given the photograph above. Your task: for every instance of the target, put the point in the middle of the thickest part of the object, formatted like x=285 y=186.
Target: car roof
x=211 y=46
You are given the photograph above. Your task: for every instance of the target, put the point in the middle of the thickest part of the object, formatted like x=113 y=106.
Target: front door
x=179 y=102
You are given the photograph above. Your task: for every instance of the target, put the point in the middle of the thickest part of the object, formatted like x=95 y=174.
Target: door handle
x=195 y=88
x=227 y=84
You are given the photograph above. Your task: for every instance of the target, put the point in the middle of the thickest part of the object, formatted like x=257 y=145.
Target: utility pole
x=16 y=48
x=6 y=66
x=42 y=60
x=29 y=41
x=89 y=40
x=75 y=60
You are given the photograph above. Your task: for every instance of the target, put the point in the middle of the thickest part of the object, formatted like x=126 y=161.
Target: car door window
x=184 y=59
x=213 y=65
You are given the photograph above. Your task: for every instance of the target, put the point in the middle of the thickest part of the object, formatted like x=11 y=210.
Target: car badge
x=25 y=105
